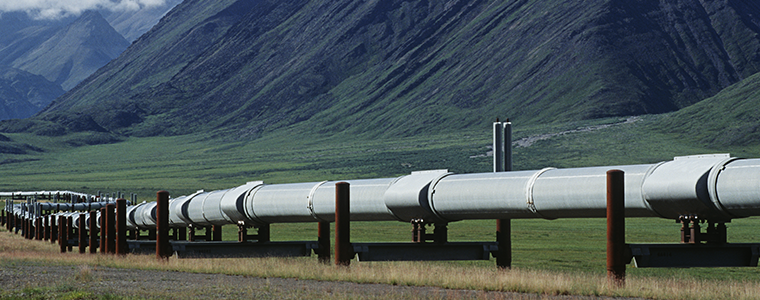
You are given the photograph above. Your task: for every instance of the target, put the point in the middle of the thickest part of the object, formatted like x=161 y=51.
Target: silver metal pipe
x=714 y=187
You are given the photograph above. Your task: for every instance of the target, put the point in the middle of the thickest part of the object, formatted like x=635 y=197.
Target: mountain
x=396 y=67
x=730 y=118
x=74 y=52
x=64 y=51
x=23 y=94
x=133 y=24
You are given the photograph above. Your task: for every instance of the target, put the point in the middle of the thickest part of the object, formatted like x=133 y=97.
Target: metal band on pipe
x=310 y=201
x=712 y=182
x=529 y=190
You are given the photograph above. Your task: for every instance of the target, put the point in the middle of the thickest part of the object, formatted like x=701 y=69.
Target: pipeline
x=713 y=187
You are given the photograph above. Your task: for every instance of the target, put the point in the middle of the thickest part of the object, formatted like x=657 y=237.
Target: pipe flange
x=431 y=193
x=644 y=192
x=712 y=185
x=249 y=211
x=529 y=190
x=310 y=201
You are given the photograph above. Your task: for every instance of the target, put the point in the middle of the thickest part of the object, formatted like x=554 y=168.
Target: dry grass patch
x=18 y=250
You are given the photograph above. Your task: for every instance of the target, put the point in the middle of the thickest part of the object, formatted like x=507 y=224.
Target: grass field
x=550 y=257
x=569 y=247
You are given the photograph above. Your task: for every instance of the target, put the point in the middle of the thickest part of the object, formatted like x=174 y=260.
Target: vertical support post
x=38 y=233
x=24 y=228
x=323 y=239
x=121 y=226
x=70 y=234
x=163 y=248
x=504 y=226
x=616 y=227
x=343 y=251
x=441 y=233
x=498 y=146
x=507 y=148
x=62 y=233
x=208 y=233
x=82 y=233
x=46 y=228
x=216 y=234
x=263 y=234
x=53 y=230
x=504 y=241
x=182 y=234
x=242 y=232
x=102 y=230
x=191 y=234
x=110 y=228
x=93 y=232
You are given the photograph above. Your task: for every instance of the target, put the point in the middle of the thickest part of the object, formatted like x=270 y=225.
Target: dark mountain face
x=23 y=94
x=400 y=66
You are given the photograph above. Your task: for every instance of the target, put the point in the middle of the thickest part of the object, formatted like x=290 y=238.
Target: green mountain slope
x=397 y=67
x=732 y=117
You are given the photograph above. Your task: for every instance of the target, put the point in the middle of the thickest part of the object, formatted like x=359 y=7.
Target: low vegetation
x=547 y=259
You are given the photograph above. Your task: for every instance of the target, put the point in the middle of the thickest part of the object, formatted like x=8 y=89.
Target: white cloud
x=51 y=9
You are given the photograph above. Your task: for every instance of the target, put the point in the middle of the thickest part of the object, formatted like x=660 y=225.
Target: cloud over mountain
x=54 y=9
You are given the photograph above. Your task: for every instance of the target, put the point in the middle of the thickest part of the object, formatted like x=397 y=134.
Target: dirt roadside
x=84 y=282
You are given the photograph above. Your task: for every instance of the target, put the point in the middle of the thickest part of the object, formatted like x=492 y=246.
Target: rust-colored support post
x=25 y=227
x=93 y=232
x=110 y=228
x=242 y=233
x=616 y=227
x=53 y=230
x=38 y=228
x=343 y=251
x=45 y=228
x=62 y=233
x=163 y=248
x=216 y=233
x=41 y=228
x=121 y=226
x=504 y=241
x=82 y=233
x=191 y=234
x=103 y=230
x=323 y=239
x=70 y=234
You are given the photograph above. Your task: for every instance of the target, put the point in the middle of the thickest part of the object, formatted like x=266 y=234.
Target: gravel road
x=84 y=282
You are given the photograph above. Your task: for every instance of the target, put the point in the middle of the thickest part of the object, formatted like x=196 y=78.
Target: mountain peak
x=75 y=51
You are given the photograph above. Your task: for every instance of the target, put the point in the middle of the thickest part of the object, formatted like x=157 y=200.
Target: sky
x=54 y=9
